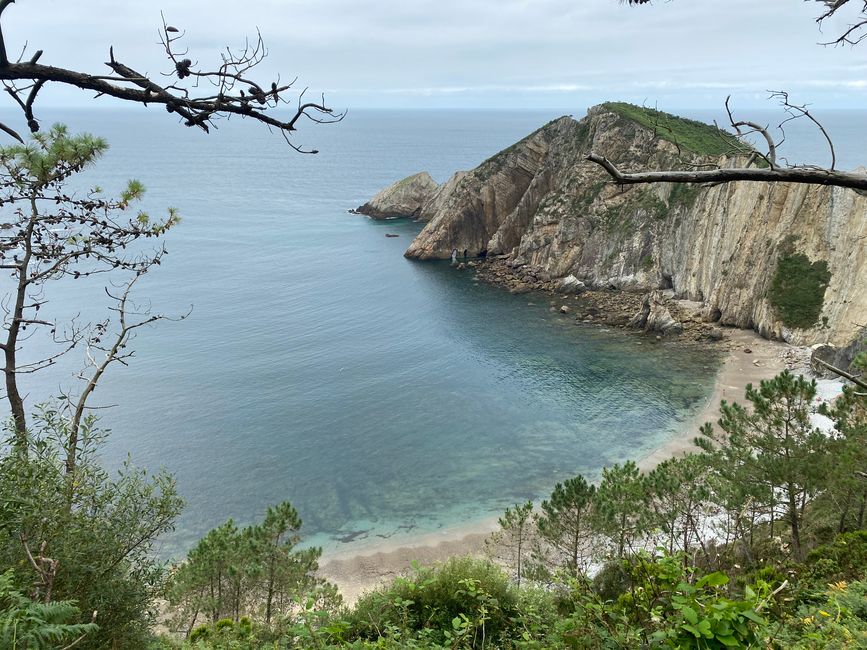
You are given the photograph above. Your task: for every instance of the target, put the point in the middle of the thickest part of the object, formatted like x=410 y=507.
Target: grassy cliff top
x=698 y=137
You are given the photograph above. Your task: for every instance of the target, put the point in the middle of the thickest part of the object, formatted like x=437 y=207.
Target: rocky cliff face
x=787 y=260
x=404 y=198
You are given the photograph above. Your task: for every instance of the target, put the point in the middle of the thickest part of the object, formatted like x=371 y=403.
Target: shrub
x=465 y=597
x=798 y=289
x=837 y=620
x=843 y=559
x=32 y=625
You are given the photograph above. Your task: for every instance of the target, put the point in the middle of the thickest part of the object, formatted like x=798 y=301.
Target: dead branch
x=842 y=373
x=46 y=570
x=771 y=157
x=237 y=93
x=722 y=175
x=774 y=172
x=114 y=352
x=854 y=34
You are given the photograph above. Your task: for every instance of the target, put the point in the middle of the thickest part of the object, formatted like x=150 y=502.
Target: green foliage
x=52 y=155
x=513 y=538
x=677 y=490
x=623 y=219
x=836 y=620
x=621 y=514
x=253 y=571
x=100 y=530
x=692 y=135
x=586 y=195
x=683 y=612
x=797 y=290
x=29 y=625
x=764 y=467
x=846 y=493
x=564 y=525
x=460 y=602
x=771 y=454
x=844 y=559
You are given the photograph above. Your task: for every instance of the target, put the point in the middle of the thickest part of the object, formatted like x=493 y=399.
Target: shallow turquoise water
x=381 y=396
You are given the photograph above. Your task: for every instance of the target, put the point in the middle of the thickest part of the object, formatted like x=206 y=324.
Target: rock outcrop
x=404 y=198
x=739 y=250
x=654 y=316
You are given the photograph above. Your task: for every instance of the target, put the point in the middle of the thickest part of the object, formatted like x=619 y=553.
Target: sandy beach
x=749 y=359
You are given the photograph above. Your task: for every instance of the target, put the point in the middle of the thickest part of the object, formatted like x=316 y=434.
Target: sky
x=486 y=54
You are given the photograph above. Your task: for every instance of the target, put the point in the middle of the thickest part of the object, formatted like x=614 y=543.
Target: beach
x=748 y=358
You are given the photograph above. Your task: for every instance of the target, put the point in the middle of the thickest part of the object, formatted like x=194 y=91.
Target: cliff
x=789 y=261
x=404 y=198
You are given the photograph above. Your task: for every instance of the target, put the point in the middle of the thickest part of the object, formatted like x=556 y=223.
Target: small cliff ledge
x=404 y=198
x=786 y=260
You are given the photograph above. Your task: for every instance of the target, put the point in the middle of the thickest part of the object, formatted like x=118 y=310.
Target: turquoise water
x=381 y=396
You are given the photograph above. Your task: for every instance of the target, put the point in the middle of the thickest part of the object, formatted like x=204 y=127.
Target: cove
x=382 y=397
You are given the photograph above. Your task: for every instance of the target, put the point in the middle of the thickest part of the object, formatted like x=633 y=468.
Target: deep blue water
x=381 y=396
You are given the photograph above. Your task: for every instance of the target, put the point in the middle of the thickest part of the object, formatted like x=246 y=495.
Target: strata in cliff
x=787 y=260
x=404 y=198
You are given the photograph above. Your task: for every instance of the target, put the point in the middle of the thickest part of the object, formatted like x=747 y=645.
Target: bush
x=838 y=620
x=31 y=625
x=99 y=528
x=464 y=597
x=843 y=559
x=612 y=580
x=798 y=289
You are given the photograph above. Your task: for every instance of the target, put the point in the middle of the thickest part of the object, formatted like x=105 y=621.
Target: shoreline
x=748 y=358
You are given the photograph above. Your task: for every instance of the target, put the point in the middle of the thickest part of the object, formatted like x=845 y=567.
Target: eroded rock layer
x=735 y=248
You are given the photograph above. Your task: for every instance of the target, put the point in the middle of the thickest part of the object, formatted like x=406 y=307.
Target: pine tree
x=512 y=541
x=772 y=452
x=621 y=506
x=564 y=523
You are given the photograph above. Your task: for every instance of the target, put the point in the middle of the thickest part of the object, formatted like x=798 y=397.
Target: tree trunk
x=844 y=512
x=13 y=396
x=794 y=523
x=861 y=510
x=270 y=594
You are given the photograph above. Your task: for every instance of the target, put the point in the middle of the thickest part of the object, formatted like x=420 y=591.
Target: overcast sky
x=475 y=53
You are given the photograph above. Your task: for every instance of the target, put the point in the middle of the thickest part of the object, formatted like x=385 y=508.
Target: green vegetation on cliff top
x=693 y=135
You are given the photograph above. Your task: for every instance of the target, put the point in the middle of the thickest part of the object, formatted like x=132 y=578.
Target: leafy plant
x=29 y=625
x=797 y=290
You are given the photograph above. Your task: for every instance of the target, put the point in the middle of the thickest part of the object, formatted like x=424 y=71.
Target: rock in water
x=404 y=198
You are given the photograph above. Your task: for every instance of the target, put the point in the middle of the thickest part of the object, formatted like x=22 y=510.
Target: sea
x=384 y=398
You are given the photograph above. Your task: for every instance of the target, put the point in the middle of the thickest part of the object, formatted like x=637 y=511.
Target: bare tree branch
x=842 y=373
x=789 y=175
x=112 y=353
x=853 y=35
x=236 y=92
x=774 y=172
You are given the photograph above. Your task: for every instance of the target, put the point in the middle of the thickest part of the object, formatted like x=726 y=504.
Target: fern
x=30 y=625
